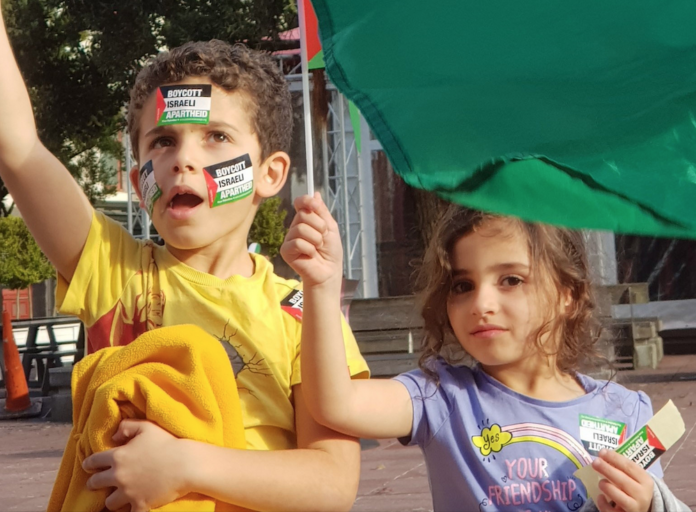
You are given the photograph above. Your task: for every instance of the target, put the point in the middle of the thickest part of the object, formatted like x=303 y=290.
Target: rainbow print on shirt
x=527 y=482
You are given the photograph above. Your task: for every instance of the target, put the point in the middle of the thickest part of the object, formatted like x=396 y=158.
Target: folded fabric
x=177 y=377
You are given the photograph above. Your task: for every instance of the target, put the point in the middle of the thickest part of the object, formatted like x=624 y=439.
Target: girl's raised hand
x=312 y=246
x=626 y=486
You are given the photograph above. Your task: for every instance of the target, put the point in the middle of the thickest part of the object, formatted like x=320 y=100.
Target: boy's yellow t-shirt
x=123 y=287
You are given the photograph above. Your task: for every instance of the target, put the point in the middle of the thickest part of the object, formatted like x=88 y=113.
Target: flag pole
x=305 y=97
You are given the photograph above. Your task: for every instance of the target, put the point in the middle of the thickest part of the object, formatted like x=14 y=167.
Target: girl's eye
x=161 y=142
x=512 y=281
x=219 y=137
x=459 y=287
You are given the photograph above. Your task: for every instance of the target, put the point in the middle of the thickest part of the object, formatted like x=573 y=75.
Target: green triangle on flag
x=317 y=62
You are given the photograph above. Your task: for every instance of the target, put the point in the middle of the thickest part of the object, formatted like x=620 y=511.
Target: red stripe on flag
x=161 y=105
x=212 y=188
x=311 y=30
x=653 y=440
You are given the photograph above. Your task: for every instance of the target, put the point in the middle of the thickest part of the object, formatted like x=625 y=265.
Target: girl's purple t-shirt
x=489 y=448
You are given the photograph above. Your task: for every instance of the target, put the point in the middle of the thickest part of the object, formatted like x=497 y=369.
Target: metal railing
x=43 y=349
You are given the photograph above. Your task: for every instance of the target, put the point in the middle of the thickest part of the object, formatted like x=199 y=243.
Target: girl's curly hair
x=559 y=262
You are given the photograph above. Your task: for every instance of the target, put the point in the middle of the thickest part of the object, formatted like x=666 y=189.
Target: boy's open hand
x=312 y=246
x=145 y=472
x=626 y=486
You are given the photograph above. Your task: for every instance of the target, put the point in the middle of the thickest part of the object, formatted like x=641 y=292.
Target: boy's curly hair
x=236 y=68
x=558 y=259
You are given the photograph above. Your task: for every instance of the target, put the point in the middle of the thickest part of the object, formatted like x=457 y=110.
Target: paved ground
x=393 y=478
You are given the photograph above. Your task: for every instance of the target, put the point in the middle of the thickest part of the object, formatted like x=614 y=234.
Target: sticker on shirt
x=598 y=433
x=149 y=190
x=292 y=304
x=183 y=104
x=229 y=181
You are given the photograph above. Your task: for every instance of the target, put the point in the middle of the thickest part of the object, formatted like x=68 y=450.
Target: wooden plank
x=629 y=331
x=392 y=364
x=394 y=340
x=679 y=341
x=381 y=347
x=627 y=293
x=386 y=313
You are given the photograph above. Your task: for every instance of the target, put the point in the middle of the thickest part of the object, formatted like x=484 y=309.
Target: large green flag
x=573 y=113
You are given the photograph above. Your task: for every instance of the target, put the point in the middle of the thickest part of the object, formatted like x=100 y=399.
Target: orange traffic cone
x=15 y=381
x=17 y=401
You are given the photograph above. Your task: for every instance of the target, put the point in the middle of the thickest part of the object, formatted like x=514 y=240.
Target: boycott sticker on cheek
x=149 y=189
x=183 y=104
x=229 y=181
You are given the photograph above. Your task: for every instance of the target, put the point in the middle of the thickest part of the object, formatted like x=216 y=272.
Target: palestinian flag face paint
x=183 y=104
x=149 y=189
x=643 y=447
x=229 y=181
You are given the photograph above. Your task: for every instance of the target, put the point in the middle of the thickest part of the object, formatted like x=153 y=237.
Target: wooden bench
x=627 y=293
x=41 y=355
x=635 y=342
x=388 y=332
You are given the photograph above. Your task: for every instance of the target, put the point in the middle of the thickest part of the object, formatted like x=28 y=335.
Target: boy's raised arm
x=51 y=202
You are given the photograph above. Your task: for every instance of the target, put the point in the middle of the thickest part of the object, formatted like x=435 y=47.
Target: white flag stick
x=305 y=98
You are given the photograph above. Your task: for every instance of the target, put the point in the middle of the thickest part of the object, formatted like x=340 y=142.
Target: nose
x=485 y=301
x=185 y=157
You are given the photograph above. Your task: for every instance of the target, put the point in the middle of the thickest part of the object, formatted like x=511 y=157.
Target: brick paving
x=393 y=478
x=30 y=454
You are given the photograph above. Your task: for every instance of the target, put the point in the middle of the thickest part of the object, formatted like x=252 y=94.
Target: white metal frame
x=348 y=188
x=135 y=216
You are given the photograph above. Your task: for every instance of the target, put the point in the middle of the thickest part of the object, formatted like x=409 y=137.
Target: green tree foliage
x=80 y=57
x=268 y=228
x=75 y=105
x=21 y=261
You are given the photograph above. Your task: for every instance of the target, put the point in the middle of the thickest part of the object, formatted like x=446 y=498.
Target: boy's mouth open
x=183 y=204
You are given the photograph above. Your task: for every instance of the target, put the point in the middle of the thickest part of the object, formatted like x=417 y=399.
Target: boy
x=210 y=126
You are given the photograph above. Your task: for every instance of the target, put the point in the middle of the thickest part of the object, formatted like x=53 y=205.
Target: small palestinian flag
x=643 y=447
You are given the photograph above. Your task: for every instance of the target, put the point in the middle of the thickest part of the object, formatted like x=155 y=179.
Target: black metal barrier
x=44 y=355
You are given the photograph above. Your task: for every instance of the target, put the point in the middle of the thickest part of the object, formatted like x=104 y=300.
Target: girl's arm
x=369 y=408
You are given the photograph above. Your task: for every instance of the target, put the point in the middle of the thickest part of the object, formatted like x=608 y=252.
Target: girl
x=507 y=433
